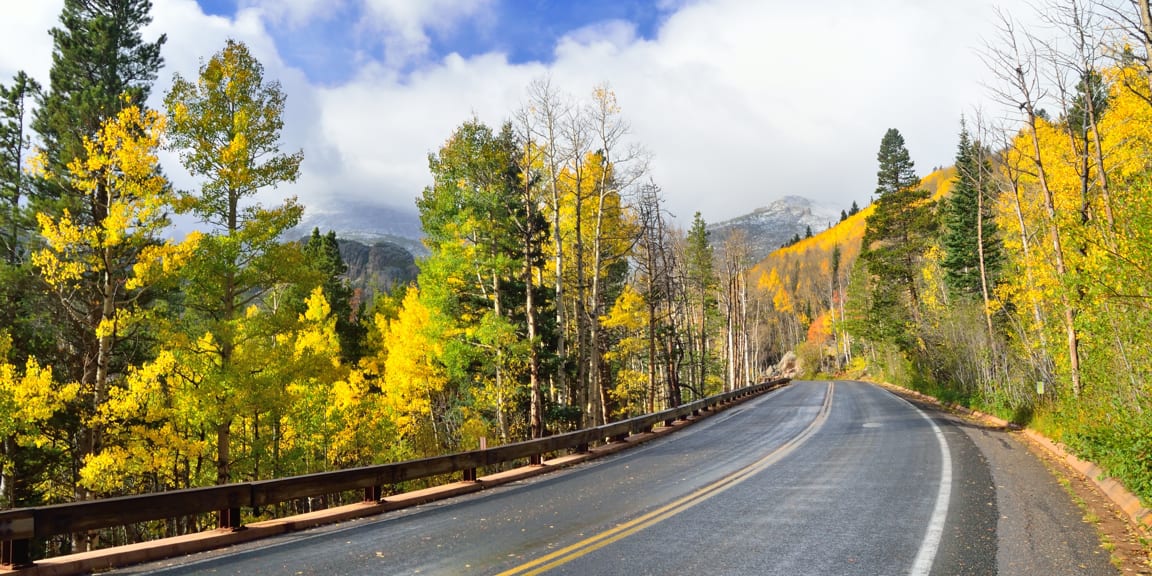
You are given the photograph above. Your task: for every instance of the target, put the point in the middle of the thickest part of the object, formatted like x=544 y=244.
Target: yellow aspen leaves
x=121 y=174
x=28 y=397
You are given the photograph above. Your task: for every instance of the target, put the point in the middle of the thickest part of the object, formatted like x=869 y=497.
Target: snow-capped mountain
x=770 y=227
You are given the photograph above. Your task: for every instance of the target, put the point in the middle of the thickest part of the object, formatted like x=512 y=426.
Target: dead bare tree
x=1015 y=63
x=548 y=109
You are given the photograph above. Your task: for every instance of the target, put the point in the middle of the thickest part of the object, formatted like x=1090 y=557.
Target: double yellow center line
x=593 y=543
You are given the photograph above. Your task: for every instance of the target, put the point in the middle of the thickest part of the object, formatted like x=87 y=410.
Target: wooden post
x=229 y=518
x=15 y=554
x=373 y=493
x=470 y=473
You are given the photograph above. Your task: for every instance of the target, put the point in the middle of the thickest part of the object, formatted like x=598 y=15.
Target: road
x=815 y=478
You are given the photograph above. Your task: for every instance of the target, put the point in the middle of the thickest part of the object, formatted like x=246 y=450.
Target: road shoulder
x=1129 y=549
x=1042 y=530
x=1053 y=520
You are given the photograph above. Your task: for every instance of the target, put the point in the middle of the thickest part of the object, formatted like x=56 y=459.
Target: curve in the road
x=574 y=551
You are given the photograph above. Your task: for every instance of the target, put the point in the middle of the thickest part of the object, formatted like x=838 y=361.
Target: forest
x=556 y=295
x=1016 y=281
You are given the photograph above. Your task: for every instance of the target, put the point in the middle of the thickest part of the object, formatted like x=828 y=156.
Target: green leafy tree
x=897 y=171
x=702 y=280
x=486 y=238
x=226 y=126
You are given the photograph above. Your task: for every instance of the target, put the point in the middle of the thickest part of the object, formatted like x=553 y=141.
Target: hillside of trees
x=555 y=293
x=1016 y=282
x=806 y=281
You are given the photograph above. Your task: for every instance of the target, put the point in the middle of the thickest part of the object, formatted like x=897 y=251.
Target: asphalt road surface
x=816 y=478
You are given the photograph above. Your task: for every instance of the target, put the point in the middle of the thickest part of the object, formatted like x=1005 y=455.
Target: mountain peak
x=770 y=226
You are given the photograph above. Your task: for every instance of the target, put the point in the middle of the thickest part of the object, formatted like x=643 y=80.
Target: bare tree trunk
x=729 y=349
x=980 y=245
x=549 y=109
x=223 y=451
x=1058 y=256
x=1146 y=36
x=746 y=370
x=536 y=402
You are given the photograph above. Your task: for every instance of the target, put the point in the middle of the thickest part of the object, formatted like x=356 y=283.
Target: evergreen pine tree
x=100 y=65
x=323 y=253
x=855 y=209
x=968 y=221
x=897 y=171
x=701 y=281
x=896 y=236
x=14 y=143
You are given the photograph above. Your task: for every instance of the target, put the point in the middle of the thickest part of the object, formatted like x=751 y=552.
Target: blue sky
x=330 y=46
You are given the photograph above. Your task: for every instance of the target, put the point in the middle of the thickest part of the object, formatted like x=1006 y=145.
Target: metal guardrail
x=18 y=527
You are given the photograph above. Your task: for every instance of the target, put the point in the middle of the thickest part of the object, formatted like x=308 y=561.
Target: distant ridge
x=366 y=223
x=769 y=227
x=377 y=268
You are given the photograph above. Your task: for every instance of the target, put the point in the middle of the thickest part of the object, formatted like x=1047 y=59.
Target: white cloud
x=24 y=40
x=740 y=101
x=615 y=33
x=294 y=13
x=405 y=23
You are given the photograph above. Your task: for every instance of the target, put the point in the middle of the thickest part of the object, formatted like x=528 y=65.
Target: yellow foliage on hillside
x=801 y=274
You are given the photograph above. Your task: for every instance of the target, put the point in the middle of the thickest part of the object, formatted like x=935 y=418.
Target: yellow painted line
x=593 y=543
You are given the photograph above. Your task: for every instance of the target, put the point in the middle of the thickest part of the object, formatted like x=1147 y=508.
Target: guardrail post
x=373 y=493
x=229 y=518
x=15 y=554
x=536 y=460
x=582 y=448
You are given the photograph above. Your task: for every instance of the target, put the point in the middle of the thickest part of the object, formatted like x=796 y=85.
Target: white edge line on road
x=922 y=566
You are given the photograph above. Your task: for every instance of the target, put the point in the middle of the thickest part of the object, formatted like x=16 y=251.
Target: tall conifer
x=100 y=65
x=897 y=171
x=969 y=226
